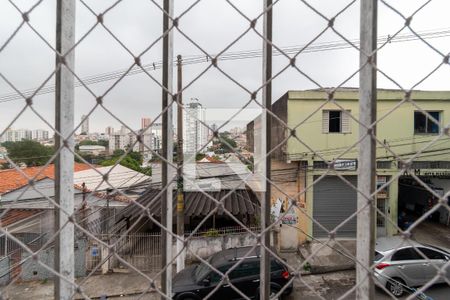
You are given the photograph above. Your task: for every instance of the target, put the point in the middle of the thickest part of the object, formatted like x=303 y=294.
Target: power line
x=248 y=54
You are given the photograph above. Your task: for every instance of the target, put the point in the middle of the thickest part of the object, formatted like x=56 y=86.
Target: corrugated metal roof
x=15 y=215
x=230 y=175
x=196 y=203
x=119 y=177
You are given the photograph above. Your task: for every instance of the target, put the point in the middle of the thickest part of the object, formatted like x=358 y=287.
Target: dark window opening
x=424 y=124
x=334 y=121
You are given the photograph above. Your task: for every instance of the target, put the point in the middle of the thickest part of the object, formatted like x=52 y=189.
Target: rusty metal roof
x=197 y=203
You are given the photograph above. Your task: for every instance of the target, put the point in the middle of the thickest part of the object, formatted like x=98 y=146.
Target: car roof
x=385 y=244
x=232 y=254
x=227 y=255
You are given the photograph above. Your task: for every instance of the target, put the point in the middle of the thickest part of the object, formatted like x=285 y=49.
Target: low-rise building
x=327 y=131
x=92 y=149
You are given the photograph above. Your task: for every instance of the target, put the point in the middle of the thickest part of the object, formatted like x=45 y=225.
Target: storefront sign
x=345 y=165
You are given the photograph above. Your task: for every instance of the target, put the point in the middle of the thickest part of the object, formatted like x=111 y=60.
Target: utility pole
x=180 y=195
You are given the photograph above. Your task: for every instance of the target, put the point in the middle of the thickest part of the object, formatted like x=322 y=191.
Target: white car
x=409 y=265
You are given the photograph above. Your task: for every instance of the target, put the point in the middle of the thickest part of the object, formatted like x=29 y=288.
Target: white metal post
x=367 y=150
x=64 y=164
x=167 y=149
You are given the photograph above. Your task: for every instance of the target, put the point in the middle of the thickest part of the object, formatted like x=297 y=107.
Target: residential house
x=202 y=183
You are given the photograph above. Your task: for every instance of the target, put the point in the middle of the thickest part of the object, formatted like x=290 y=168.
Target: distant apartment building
x=119 y=141
x=23 y=134
x=195 y=132
x=156 y=134
x=109 y=130
x=236 y=131
x=5 y=136
x=39 y=135
x=145 y=122
x=123 y=130
x=84 y=124
x=17 y=135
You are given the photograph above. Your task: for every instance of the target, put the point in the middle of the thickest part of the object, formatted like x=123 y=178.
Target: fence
x=143 y=250
x=355 y=125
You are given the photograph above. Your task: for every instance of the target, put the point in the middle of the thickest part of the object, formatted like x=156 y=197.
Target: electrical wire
x=197 y=59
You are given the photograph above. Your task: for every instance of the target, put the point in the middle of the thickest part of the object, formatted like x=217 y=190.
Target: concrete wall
x=207 y=246
x=32 y=270
x=289 y=179
x=250 y=135
x=279 y=132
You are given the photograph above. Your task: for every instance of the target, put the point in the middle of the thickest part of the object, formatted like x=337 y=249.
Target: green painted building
x=328 y=130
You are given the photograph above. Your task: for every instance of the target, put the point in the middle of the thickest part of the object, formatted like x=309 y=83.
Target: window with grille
x=336 y=121
x=424 y=124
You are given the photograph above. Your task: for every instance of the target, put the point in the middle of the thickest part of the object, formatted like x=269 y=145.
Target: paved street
x=436 y=292
x=322 y=286
x=130 y=286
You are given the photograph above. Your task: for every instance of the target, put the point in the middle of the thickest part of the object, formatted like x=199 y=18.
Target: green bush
x=212 y=233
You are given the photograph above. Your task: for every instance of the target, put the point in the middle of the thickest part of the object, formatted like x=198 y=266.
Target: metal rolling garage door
x=333 y=202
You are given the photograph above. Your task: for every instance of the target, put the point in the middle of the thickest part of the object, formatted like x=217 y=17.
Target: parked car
x=197 y=281
x=400 y=267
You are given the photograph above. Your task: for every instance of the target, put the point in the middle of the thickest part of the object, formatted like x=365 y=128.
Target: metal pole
x=64 y=119
x=266 y=125
x=365 y=241
x=167 y=153
x=6 y=242
x=180 y=195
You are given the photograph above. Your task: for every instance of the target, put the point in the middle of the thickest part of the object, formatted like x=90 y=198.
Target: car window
x=406 y=254
x=431 y=254
x=245 y=269
x=215 y=277
x=378 y=256
x=276 y=265
x=440 y=249
x=202 y=270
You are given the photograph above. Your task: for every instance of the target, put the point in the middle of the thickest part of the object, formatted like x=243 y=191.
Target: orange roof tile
x=12 y=179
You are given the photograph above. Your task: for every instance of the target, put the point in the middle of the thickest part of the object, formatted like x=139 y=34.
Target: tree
x=225 y=143
x=199 y=156
x=118 y=152
x=30 y=152
x=136 y=156
x=103 y=143
x=132 y=160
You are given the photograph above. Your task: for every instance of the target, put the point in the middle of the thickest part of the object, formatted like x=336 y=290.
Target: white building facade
x=39 y=135
x=195 y=133
x=84 y=124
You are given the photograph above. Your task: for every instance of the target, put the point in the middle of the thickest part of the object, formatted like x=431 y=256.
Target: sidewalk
x=329 y=258
x=132 y=285
x=111 y=285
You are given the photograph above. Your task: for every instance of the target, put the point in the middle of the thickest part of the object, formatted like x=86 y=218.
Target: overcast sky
x=213 y=24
